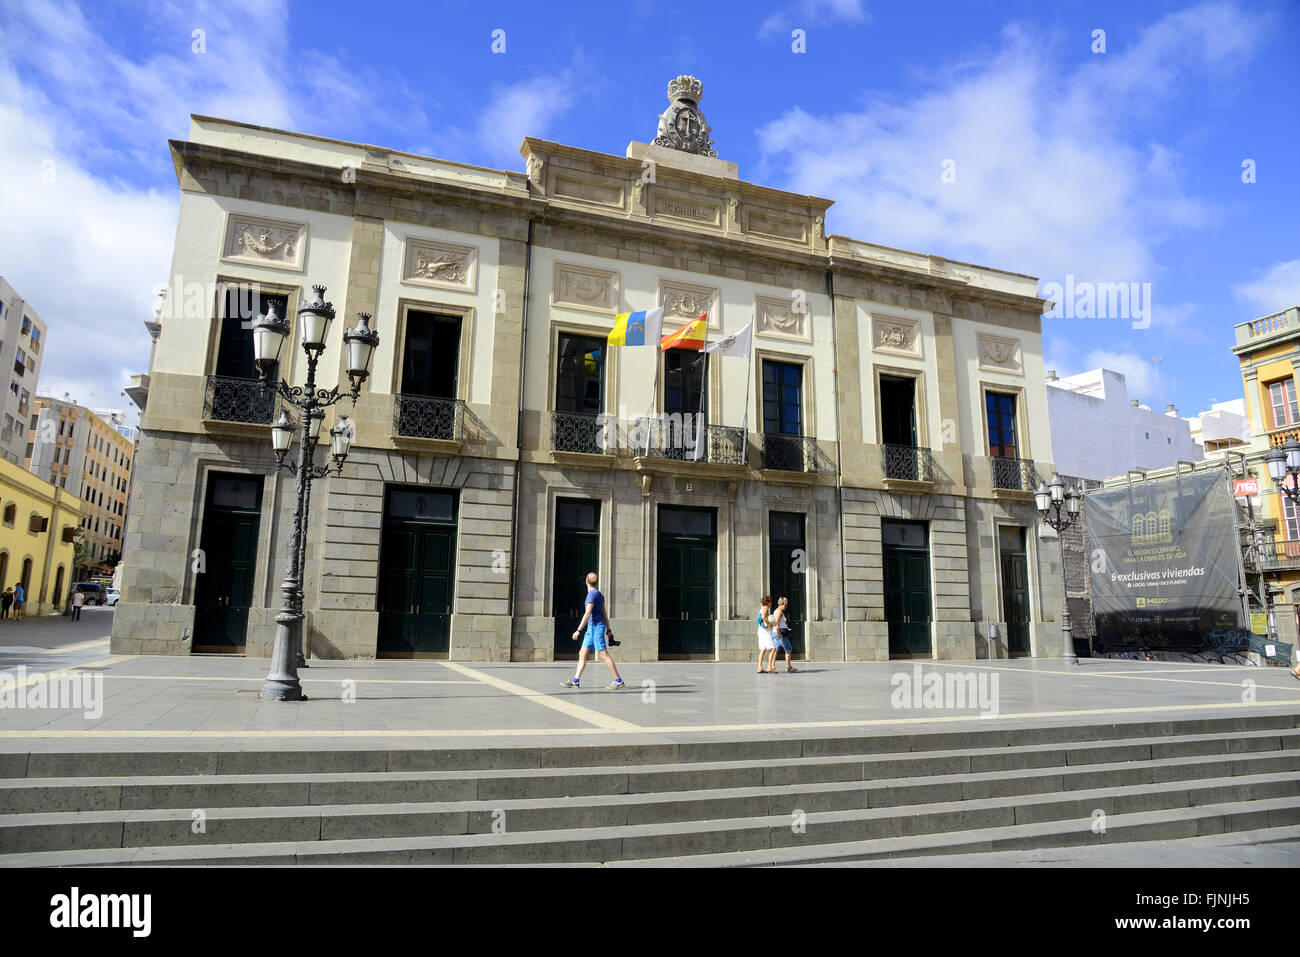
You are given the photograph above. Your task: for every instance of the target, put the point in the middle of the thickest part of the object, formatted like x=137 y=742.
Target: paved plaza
x=201 y=702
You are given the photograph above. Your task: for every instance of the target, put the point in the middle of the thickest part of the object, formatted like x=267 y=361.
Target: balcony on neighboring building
x=1267 y=330
x=789 y=453
x=245 y=401
x=1013 y=475
x=429 y=418
x=138 y=390
x=1271 y=555
x=722 y=445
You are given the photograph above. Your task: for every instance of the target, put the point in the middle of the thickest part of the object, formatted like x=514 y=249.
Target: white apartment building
x=22 y=339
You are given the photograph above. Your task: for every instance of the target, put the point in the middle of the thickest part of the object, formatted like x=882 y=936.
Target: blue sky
x=1115 y=166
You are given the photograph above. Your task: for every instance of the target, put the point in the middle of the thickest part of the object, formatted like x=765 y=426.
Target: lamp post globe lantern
x=1291 y=449
x=269 y=333
x=1275 y=459
x=360 y=342
x=314 y=318
x=1042 y=498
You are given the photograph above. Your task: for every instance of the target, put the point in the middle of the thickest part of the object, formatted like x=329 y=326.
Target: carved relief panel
x=684 y=302
x=581 y=287
x=264 y=242
x=998 y=354
x=442 y=265
x=896 y=335
x=783 y=318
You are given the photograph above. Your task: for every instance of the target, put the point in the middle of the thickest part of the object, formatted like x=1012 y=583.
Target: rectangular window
x=1001 y=409
x=235 y=347
x=782 y=398
x=580 y=375
x=1282 y=396
x=431 y=355
x=1292 y=520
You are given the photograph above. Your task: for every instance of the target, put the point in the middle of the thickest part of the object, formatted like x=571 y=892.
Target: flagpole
x=701 y=427
x=654 y=393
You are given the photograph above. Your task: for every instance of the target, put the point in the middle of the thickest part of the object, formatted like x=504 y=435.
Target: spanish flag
x=689 y=336
x=637 y=328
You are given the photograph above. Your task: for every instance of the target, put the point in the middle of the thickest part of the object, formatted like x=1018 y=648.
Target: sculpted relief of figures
x=441 y=265
x=265 y=242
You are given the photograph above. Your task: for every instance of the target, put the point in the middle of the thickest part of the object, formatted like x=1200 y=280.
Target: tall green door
x=906 y=554
x=223 y=588
x=687 y=581
x=417 y=557
x=1015 y=590
x=577 y=552
x=787 y=561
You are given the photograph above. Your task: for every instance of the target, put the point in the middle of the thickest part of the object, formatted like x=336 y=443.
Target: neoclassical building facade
x=872 y=456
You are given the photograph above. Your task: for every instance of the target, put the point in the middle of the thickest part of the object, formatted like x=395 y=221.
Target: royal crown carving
x=896 y=335
x=998 y=353
x=682 y=126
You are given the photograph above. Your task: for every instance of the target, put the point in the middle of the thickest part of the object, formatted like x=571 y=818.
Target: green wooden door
x=1015 y=590
x=223 y=588
x=416 y=588
x=788 y=561
x=906 y=558
x=687 y=582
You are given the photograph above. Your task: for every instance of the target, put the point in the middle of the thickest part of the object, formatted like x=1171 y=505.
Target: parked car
x=111 y=596
x=93 y=591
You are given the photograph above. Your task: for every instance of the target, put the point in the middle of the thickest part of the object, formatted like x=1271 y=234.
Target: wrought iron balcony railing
x=1016 y=475
x=229 y=399
x=907 y=462
x=715 y=444
x=1274 y=555
x=429 y=417
x=789 y=453
x=580 y=432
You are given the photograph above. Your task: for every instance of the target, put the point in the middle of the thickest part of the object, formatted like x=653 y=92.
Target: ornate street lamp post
x=269 y=335
x=1049 y=499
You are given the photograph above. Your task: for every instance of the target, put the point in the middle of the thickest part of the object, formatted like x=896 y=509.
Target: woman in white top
x=765 y=642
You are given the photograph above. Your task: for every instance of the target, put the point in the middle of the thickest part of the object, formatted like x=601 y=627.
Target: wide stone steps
x=711 y=803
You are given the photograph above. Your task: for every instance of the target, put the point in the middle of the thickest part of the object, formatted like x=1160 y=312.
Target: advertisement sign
x=1164 y=571
x=1245 y=488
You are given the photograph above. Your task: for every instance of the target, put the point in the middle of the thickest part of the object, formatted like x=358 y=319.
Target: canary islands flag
x=689 y=336
x=637 y=328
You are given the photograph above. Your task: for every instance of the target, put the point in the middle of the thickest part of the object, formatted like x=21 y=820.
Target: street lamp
x=269 y=335
x=1284 y=464
x=1050 y=498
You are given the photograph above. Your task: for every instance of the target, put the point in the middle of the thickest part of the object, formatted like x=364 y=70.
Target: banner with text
x=1164 y=564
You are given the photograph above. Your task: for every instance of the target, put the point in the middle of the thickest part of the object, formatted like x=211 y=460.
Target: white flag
x=734 y=345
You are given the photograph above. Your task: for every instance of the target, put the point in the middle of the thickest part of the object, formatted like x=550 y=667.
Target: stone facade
x=520 y=259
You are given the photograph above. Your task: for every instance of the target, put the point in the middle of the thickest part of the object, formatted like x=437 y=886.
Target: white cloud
x=1139 y=373
x=808 y=13
x=1054 y=171
x=1277 y=289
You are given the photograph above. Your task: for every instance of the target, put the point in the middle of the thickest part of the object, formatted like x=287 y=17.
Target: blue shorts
x=783 y=643
x=595 y=637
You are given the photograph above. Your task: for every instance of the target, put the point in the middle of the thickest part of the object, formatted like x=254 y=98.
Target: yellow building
x=1268 y=350
x=38 y=528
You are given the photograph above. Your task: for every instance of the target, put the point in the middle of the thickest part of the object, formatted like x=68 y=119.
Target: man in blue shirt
x=19 y=598
x=596 y=622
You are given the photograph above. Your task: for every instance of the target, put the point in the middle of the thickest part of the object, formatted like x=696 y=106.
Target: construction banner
x=1164 y=564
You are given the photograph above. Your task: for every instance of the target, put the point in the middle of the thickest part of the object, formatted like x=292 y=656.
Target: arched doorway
x=58 y=588
x=27 y=576
x=4 y=570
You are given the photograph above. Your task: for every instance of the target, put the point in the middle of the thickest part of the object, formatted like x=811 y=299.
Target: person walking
x=78 y=599
x=6 y=601
x=596 y=622
x=765 y=642
x=18 y=601
x=782 y=633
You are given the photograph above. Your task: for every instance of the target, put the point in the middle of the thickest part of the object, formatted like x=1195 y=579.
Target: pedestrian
x=782 y=633
x=6 y=600
x=765 y=642
x=596 y=622
x=18 y=601
x=78 y=599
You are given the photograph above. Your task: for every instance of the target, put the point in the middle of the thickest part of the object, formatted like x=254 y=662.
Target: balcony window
x=1292 y=519
x=1282 y=396
x=580 y=375
x=1001 y=409
x=427 y=407
x=20 y=363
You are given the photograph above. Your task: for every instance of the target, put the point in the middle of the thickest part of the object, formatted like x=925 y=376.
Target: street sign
x=1259 y=623
x=1244 y=488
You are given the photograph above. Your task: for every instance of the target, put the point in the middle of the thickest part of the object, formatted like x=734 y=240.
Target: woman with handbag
x=765 y=642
